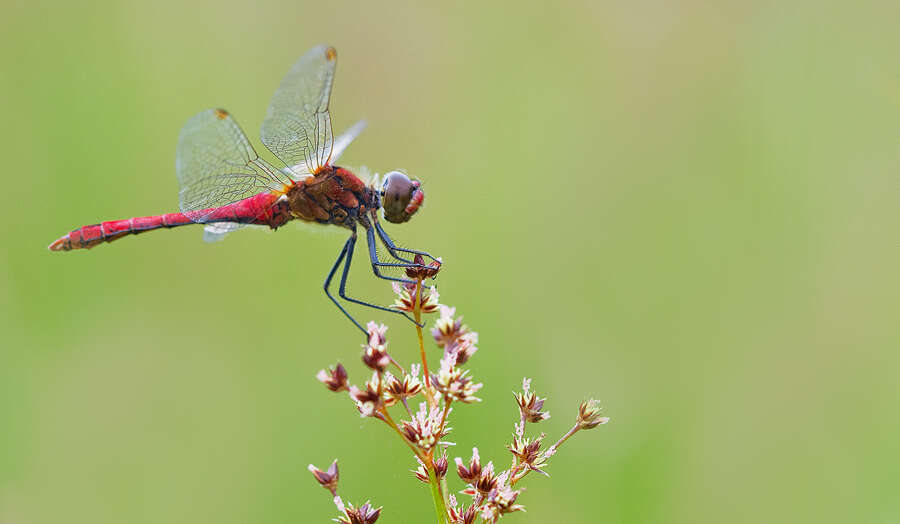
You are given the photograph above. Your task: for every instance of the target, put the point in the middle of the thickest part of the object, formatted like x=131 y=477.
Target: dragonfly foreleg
x=376 y=263
x=392 y=248
x=349 y=247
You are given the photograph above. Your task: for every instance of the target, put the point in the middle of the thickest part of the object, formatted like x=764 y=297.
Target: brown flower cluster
x=328 y=479
x=388 y=395
x=494 y=493
x=421 y=270
x=453 y=336
x=406 y=298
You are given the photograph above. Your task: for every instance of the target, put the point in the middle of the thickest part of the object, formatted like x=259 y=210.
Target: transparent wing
x=341 y=142
x=297 y=127
x=216 y=231
x=216 y=165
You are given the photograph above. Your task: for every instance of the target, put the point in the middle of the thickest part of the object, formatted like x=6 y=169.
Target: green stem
x=552 y=451
x=440 y=507
x=417 y=313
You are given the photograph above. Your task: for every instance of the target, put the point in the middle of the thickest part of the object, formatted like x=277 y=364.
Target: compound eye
x=400 y=197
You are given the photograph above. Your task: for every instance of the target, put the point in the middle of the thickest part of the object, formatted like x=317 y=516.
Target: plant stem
x=417 y=312
x=440 y=507
x=447 y=402
x=553 y=448
x=393 y=425
x=406 y=405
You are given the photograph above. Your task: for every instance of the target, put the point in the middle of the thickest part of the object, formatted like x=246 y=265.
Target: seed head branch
x=493 y=492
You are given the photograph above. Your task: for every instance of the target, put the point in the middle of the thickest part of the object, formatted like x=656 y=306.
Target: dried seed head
x=454 y=383
x=469 y=474
x=375 y=355
x=368 y=401
x=487 y=481
x=376 y=334
x=464 y=347
x=440 y=466
x=530 y=405
x=589 y=415
x=528 y=453
x=489 y=513
x=460 y=514
x=406 y=298
x=426 y=429
x=447 y=328
x=503 y=500
x=467 y=516
x=421 y=472
x=440 y=469
x=364 y=514
x=396 y=390
x=452 y=335
x=327 y=479
x=376 y=358
x=429 y=270
x=334 y=379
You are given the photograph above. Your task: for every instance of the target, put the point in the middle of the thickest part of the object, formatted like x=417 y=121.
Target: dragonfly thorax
x=333 y=196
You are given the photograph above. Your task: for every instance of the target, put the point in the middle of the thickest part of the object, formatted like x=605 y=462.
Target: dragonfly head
x=401 y=197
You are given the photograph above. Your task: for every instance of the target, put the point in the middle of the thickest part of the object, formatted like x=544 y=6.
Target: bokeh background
x=687 y=210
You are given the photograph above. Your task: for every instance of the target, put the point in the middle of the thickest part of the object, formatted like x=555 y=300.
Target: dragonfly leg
x=376 y=263
x=389 y=244
x=351 y=242
x=392 y=248
x=347 y=245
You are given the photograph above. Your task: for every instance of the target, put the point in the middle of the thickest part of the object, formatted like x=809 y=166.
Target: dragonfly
x=225 y=185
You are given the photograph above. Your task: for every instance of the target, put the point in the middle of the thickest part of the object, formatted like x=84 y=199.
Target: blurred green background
x=689 y=211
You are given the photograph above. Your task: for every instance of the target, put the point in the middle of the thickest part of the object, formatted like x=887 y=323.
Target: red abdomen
x=258 y=209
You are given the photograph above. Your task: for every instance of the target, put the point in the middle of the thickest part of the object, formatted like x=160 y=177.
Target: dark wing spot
x=330 y=54
x=221 y=114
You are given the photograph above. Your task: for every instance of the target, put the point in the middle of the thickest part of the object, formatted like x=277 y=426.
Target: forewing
x=297 y=127
x=340 y=144
x=216 y=165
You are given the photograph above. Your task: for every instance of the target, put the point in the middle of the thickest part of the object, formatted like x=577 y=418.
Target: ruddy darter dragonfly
x=225 y=185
